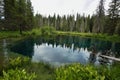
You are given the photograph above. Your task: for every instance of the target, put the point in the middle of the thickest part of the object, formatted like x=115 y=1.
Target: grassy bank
x=33 y=32
x=113 y=38
x=51 y=31
x=16 y=34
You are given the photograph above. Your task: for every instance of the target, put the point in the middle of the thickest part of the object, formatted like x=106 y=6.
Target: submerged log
x=109 y=57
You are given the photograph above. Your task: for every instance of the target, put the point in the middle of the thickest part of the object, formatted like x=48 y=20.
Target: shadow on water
x=66 y=49
x=24 y=47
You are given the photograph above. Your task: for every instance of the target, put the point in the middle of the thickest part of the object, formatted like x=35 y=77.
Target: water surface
x=61 y=50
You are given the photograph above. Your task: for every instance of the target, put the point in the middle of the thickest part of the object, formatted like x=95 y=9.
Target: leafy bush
x=77 y=72
x=47 y=30
x=103 y=70
x=15 y=70
x=115 y=72
x=18 y=62
x=17 y=74
x=36 y=31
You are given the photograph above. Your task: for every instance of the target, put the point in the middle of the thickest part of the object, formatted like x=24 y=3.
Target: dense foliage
x=47 y=30
x=21 y=69
x=77 y=71
x=18 y=74
x=15 y=70
x=18 y=15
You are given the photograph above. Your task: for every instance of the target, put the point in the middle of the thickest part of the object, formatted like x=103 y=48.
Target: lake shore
x=38 y=32
x=45 y=71
x=106 y=37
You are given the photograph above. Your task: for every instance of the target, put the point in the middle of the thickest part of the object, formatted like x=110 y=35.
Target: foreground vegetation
x=77 y=71
x=22 y=68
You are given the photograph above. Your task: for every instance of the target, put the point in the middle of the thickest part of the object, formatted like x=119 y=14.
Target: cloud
x=88 y=3
x=62 y=7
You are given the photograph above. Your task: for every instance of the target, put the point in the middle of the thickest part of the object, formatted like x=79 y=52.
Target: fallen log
x=109 y=57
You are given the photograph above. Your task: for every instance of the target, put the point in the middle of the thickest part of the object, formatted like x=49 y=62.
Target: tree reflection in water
x=93 y=54
x=67 y=46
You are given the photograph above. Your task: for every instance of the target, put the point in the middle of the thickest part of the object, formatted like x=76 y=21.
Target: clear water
x=61 y=50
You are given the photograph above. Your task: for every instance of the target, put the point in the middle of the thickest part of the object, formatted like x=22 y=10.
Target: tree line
x=97 y=23
x=19 y=16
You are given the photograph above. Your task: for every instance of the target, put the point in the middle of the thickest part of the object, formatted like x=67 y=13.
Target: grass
x=51 y=31
x=33 y=32
x=16 y=34
x=9 y=34
x=106 y=37
x=42 y=70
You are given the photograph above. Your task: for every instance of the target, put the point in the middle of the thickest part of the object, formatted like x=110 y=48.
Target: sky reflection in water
x=58 y=55
x=61 y=50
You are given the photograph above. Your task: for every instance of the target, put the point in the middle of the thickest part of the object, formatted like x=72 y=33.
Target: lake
x=60 y=50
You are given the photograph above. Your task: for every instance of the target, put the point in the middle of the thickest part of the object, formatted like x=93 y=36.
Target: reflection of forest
x=26 y=46
x=101 y=46
x=3 y=54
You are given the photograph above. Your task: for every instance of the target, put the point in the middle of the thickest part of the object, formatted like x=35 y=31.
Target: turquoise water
x=62 y=50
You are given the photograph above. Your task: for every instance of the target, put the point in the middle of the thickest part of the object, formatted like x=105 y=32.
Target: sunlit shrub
x=17 y=74
x=47 y=30
x=77 y=72
x=18 y=62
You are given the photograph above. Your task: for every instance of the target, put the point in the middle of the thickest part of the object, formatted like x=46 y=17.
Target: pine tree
x=78 y=21
x=54 y=20
x=117 y=30
x=64 y=23
x=71 y=22
x=1 y=15
x=38 y=20
x=29 y=15
x=10 y=12
x=83 y=23
x=114 y=15
x=18 y=14
x=99 y=21
x=21 y=15
x=1 y=9
x=58 y=21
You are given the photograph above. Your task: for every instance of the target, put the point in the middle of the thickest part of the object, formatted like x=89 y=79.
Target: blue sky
x=65 y=7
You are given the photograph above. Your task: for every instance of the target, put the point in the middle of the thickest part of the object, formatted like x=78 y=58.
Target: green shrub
x=36 y=32
x=103 y=70
x=47 y=30
x=18 y=62
x=77 y=72
x=17 y=74
x=15 y=70
x=115 y=72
